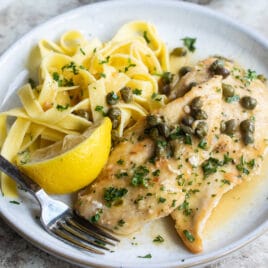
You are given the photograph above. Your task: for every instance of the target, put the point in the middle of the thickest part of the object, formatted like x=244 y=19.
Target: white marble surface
x=19 y=16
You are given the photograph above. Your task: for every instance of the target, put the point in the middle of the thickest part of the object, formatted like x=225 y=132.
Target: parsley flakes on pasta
x=75 y=76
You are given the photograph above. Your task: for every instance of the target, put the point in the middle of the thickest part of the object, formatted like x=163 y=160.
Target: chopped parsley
x=251 y=163
x=96 y=217
x=145 y=36
x=71 y=66
x=224 y=181
x=140 y=177
x=121 y=222
x=185 y=207
x=65 y=82
x=181 y=180
x=189 y=43
x=130 y=64
x=137 y=91
x=105 y=61
x=249 y=77
x=120 y=175
x=159 y=239
x=100 y=108
x=202 y=144
x=82 y=51
x=227 y=159
x=102 y=75
x=62 y=82
x=161 y=144
x=148 y=256
x=232 y=99
x=188 y=139
x=24 y=157
x=210 y=166
x=156 y=97
x=244 y=166
x=156 y=172
x=161 y=200
x=120 y=162
x=112 y=195
x=189 y=236
x=176 y=134
x=56 y=76
x=62 y=107
x=14 y=202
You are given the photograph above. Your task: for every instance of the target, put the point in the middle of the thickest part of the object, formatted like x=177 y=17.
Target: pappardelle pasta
x=79 y=81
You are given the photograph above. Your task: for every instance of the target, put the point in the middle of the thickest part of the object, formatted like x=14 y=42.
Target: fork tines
x=81 y=233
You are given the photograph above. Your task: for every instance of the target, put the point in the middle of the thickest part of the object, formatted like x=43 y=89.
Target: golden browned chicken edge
x=209 y=138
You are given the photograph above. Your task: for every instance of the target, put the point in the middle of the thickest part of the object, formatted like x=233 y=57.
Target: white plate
x=174 y=20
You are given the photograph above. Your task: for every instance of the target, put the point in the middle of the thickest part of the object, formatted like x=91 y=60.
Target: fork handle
x=23 y=180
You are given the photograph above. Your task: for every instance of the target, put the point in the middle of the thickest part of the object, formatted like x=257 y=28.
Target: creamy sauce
x=241 y=197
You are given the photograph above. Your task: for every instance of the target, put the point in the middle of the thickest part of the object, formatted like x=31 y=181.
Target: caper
x=115 y=115
x=216 y=64
x=199 y=114
x=262 y=78
x=248 y=102
x=82 y=113
x=112 y=98
x=187 y=120
x=153 y=120
x=179 y=52
x=227 y=90
x=166 y=78
x=115 y=123
x=248 y=138
x=115 y=137
x=165 y=89
x=191 y=85
x=201 y=129
x=187 y=129
x=126 y=94
x=196 y=103
x=217 y=67
x=247 y=126
x=154 y=133
x=184 y=70
x=163 y=129
x=230 y=127
x=185 y=89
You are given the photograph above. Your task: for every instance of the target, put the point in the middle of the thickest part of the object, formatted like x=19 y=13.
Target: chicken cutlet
x=240 y=142
x=182 y=158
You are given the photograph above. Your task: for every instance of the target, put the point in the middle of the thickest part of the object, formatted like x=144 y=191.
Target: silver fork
x=58 y=219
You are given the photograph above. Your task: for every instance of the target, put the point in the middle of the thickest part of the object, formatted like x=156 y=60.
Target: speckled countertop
x=18 y=17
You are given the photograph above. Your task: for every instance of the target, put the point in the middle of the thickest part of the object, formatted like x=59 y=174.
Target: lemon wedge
x=73 y=163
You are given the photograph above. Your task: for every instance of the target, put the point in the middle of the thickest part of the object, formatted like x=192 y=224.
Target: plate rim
x=209 y=257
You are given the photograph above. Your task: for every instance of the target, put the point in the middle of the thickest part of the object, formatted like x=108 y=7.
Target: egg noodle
x=74 y=78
